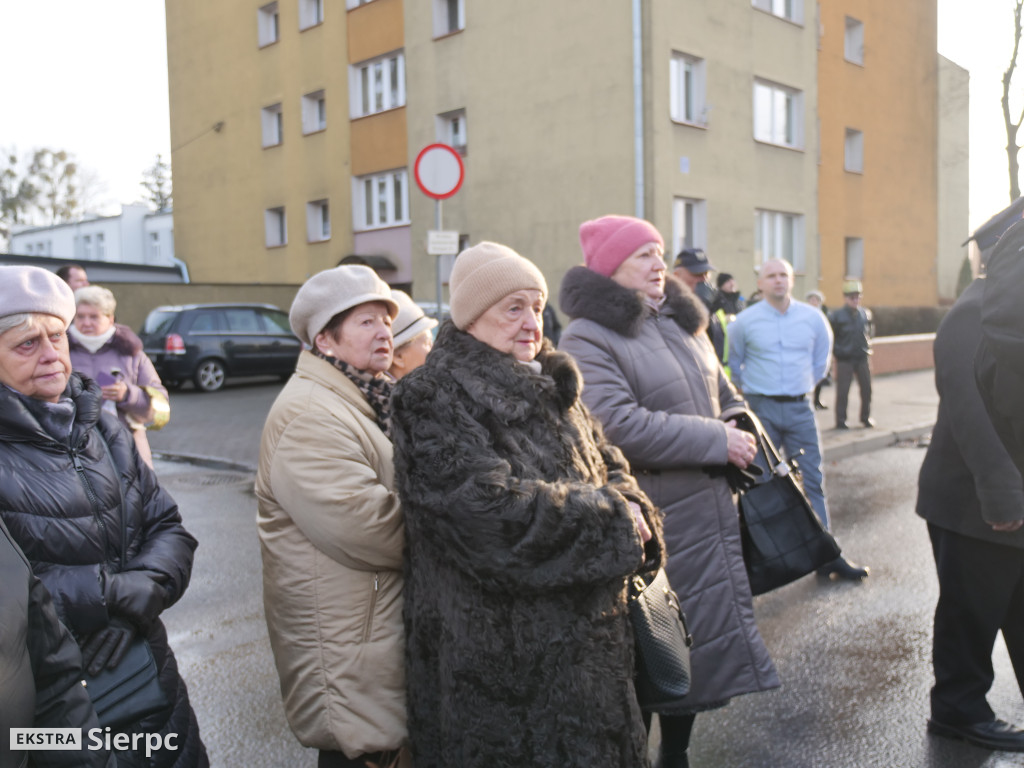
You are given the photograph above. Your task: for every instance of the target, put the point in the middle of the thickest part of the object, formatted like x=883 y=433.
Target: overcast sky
x=91 y=78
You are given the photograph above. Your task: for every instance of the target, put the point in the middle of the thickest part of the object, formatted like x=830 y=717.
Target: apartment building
x=135 y=236
x=295 y=125
x=879 y=111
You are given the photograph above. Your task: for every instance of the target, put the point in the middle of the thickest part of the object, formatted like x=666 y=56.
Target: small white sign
x=442 y=242
x=29 y=739
x=684 y=165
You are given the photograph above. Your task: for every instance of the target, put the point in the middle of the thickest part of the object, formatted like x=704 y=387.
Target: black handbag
x=662 y=642
x=130 y=691
x=783 y=537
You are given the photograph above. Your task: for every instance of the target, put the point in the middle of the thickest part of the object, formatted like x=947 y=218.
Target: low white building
x=135 y=236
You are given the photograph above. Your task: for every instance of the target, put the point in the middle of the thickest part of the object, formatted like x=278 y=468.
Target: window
x=311 y=13
x=855 y=257
x=276 y=227
x=318 y=221
x=377 y=85
x=853 y=43
x=154 y=246
x=314 y=112
x=87 y=246
x=451 y=129
x=792 y=10
x=689 y=225
x=242 y=320
x=267 y=24
x=779 y=235
x=778 y=114
x=687 y=81
x=276 y=321
x=101 y=250
x=356 y=3
x=273 y=125
x=449 y=16
x=854 y=151
x=207 y=322
x=381 y=200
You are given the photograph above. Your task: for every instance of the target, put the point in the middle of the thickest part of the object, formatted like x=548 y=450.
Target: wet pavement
x=854 y=658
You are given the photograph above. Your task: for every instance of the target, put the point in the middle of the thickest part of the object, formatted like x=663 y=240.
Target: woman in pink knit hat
x=652 y=378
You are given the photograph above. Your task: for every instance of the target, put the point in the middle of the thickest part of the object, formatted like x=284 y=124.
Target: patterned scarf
x=375 y=388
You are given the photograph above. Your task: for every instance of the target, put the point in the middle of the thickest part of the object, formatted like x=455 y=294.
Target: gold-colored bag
x=159 y=412
x=159 y=409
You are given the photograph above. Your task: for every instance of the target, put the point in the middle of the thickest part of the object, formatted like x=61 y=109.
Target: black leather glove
x=738 y=479
x=136 y=595
x=743 y=479
x=106 y=647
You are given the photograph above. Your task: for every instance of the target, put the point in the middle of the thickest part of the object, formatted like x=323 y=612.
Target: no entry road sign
x=439 y=171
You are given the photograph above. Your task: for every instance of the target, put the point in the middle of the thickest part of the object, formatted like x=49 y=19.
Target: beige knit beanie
x=485 y=274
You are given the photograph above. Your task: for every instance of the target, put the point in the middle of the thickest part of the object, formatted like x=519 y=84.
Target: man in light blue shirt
x=779 y=349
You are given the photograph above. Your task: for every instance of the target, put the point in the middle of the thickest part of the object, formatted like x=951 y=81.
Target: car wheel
x=209 y=375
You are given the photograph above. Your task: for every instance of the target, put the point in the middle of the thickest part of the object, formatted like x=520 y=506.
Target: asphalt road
x=854 y=658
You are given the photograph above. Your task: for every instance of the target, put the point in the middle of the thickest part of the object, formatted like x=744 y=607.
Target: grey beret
x=327 y=293
x=35 y=290
x=411 y=320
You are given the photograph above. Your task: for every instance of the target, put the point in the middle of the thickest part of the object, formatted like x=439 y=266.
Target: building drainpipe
x=182 y=267
x=638 y=109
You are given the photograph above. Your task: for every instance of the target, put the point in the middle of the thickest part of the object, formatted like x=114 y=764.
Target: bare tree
x=18 y=193
x=156 y=180
x=56 y=175
x=1012 y=148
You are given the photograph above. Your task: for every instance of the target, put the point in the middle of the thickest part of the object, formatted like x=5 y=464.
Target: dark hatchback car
x=208 y=343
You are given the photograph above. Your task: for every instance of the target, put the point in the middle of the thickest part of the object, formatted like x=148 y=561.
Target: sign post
x=439 y=173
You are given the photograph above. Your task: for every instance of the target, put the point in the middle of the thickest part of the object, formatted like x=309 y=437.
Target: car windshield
x=158 y=322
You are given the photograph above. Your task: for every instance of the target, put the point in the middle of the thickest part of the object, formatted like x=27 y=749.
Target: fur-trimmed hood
x=585 y=293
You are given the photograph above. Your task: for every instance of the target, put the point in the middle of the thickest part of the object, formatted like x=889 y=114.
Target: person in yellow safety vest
x=693 y=268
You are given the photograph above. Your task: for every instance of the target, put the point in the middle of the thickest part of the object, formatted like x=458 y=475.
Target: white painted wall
x=128 y=238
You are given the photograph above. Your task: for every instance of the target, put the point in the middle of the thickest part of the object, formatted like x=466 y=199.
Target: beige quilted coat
x=331 y=535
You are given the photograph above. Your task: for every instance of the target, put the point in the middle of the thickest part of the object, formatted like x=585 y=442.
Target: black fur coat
x=519 y=536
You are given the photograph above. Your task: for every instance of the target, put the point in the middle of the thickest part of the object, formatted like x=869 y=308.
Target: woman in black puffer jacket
x=98 y=530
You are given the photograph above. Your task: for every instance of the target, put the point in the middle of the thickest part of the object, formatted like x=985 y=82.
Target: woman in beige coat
x=330 y=527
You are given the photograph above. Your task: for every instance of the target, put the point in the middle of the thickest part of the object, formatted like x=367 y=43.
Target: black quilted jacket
x=91 y=506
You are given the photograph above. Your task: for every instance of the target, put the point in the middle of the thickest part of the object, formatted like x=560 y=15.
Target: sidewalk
x=221 y=430
x=903 y=407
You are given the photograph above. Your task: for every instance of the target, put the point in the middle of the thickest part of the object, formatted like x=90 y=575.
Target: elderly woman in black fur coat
x=522 y=522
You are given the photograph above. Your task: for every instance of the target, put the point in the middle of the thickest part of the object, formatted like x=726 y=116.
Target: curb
x=208 y=462
x=876 y=441
x=829 y=454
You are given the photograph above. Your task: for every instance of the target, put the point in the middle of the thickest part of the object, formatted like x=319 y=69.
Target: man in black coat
x=972 y=496
x=853 y=327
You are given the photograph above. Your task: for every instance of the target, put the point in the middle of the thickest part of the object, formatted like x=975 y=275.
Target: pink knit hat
x=610 y=240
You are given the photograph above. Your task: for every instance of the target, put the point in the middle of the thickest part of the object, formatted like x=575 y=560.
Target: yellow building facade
x=295 y=126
